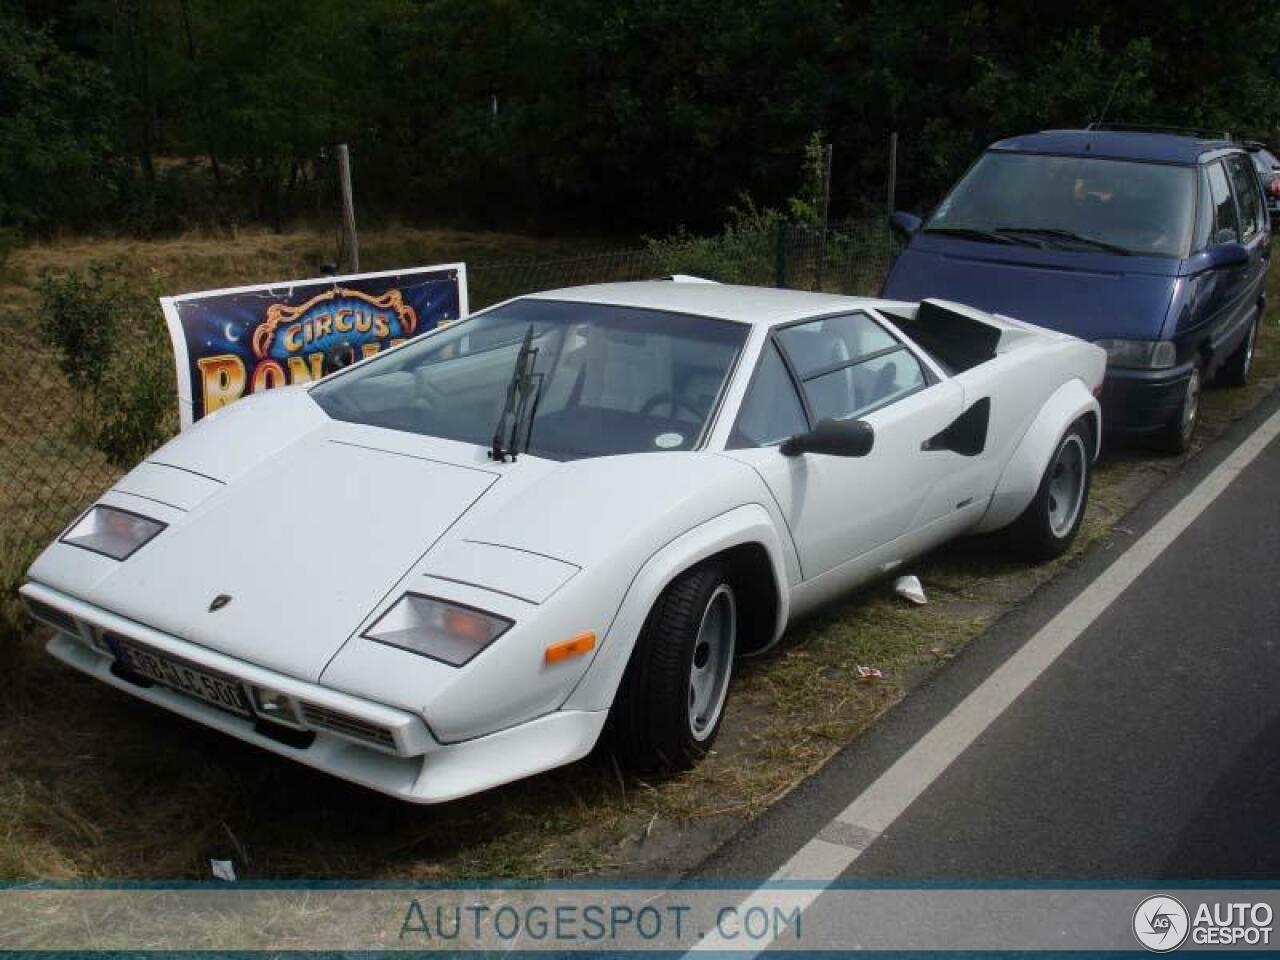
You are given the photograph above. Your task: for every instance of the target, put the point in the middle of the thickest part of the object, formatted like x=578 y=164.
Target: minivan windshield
x=1072 y=203
x=607 y=379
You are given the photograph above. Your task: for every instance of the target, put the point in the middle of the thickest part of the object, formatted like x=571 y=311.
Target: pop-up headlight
x=438 y=629
x=113 y=532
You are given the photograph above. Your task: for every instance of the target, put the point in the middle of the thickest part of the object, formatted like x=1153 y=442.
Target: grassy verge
x=96 y=785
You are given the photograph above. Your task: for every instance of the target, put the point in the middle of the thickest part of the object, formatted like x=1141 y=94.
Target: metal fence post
x=826 y=210
x=780 y=255
x=893 y=170
x=348 y=209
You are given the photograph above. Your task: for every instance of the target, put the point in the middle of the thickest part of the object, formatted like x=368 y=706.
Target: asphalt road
x=1149 y=749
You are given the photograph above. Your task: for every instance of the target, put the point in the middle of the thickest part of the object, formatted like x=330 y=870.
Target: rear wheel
x=1176 y=435
x=672 y=699
x=1235 y=370
x=1052 y=519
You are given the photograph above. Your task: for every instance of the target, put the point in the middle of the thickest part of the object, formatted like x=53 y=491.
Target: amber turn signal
x=582 y=643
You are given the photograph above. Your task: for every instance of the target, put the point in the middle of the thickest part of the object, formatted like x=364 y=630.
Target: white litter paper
x=223 y=870
x=910 y=588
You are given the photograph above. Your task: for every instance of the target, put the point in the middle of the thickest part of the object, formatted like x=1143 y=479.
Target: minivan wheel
x=1235 y=369
x=671 y=703
x=1176 y=436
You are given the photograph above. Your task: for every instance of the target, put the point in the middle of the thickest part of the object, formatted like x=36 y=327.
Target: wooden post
x=826 y=209
x=348 y=210
x=893 y=170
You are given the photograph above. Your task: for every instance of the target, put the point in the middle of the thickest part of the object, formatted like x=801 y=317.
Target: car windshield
x=1264 y=162
x=1072 y=203
x=608 y=379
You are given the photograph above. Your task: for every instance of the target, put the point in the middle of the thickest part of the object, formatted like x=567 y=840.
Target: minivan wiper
x=1053 y=233
x=521 y=405
x=969 y=233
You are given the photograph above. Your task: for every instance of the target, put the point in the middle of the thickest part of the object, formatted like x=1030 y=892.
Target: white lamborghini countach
x=464 y=560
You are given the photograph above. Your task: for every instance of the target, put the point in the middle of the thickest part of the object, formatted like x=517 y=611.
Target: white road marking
x=839 y=843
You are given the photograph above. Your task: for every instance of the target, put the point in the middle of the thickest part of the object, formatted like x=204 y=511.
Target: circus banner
x=234 y=342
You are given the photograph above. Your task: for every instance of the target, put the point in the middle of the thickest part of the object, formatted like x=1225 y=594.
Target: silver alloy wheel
x=1190 y=406
x=712 y=662
x=1066 y=485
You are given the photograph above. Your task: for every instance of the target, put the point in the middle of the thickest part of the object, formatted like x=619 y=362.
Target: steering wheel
x=676 y=401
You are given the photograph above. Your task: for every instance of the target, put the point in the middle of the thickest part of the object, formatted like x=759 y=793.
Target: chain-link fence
x=53 y=458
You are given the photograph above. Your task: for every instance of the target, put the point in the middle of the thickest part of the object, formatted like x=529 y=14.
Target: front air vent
x=52 y=616
x=348 y=726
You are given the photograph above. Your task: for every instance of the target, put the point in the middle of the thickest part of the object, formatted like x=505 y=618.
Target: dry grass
x=207 y=260
x=96 y=785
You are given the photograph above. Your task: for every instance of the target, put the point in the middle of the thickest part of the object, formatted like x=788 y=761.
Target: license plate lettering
x=184 y=679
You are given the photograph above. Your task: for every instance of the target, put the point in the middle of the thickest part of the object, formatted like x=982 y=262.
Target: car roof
x=1117 y=145
x=759 y=306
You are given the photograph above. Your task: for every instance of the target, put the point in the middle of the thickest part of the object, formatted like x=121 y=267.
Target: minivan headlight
x=437 y=629
x=1139 y=354
x=112 y=532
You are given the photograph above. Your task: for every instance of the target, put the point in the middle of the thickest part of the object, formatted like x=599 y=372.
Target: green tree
x=57 y=130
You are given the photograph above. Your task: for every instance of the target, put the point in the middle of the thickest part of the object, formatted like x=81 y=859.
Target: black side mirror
x=905 y=224
x=836 y=438
x=1224 y=255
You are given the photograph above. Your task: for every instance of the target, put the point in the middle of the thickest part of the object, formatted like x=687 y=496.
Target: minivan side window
x=1245 y=182
x=1226 y=229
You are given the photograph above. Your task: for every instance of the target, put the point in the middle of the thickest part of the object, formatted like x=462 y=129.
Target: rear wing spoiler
x=962 y=336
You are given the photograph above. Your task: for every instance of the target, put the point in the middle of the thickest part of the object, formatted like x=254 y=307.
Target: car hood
x=292 y=524
x=1087 y=295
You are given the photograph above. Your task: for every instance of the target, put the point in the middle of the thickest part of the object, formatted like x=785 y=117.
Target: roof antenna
x=1107 y=106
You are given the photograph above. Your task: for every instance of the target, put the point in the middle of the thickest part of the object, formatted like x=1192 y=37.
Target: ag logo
x=1161 y=923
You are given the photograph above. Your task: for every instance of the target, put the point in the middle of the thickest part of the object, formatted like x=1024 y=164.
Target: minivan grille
x=347 y=725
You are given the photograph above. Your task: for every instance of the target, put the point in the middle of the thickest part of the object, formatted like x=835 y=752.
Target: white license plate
x=183 y=677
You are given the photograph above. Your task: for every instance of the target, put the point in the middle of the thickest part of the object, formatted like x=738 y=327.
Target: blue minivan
x=1153 y=245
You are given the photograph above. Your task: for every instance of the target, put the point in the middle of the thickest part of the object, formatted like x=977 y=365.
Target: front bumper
x=411 y=765
x=1136 y=402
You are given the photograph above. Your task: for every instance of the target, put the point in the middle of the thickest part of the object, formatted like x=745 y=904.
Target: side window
x=1246 y=183
x=832 y=341
x=1204 y=214
x=849 y=365
x=1225 y=227
x=771 y=410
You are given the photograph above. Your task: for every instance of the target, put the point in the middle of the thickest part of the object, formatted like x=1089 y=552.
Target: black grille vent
x=52 y=616
x=349 y=726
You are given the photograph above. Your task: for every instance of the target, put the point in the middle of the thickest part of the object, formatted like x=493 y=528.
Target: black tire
x=1049 y=524
x=1234 y=371
x=652 y=726
x=1175 y=437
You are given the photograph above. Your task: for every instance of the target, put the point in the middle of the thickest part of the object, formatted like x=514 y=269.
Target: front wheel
x=1052 y=519
x=1175 y=437
x=672 y=698
x=1235 y=369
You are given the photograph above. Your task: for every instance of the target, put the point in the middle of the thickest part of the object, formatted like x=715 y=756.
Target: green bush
x=114 y=350
x=743 y=252
x=78 y=318
x=137 y=407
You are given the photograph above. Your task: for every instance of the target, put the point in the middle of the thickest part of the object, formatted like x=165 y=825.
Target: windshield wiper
x=984 y=236
x=521 y=406
x=1053 y=233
